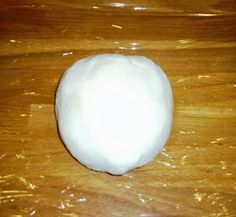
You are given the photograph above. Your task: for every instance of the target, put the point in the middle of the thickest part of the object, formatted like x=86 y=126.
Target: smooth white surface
x=114 y=112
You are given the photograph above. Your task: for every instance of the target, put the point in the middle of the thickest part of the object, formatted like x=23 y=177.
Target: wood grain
x=193 y=41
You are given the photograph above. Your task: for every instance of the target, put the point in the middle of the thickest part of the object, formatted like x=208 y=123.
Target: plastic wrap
x=193 y=176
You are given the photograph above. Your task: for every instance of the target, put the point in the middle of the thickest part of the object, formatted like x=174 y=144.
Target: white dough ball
x=114 y=112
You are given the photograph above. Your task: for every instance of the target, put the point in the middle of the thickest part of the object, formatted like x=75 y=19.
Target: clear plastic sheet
x=194 y=175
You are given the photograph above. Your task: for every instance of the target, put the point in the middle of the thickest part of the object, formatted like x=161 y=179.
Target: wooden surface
x=194 y=42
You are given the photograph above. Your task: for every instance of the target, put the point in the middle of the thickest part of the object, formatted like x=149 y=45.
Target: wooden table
x=194 y=42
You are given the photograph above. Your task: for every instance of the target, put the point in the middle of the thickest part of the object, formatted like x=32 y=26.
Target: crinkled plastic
x=193 y=176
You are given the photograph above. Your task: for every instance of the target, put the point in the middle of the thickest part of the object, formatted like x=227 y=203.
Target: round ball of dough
x=114 y=112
